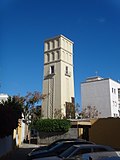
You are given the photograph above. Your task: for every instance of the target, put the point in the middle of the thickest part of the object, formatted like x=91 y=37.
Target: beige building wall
x=58 y=83
x=105 y=131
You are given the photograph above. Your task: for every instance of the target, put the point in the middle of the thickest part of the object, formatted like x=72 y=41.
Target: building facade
x=58 y=83
x=103 y=94
x=3 y=97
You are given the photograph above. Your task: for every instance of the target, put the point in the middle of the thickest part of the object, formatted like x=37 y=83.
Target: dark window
x=53 y=56
x=48 y=45
x=53 y=45
x=52 y=70
x=73 y=100
x=48 y=57
x=112 y=90
x=66 y=69
x=58 y=55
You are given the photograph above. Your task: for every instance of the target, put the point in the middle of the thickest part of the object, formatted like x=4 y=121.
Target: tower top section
x=58 y=42
x=57 y=37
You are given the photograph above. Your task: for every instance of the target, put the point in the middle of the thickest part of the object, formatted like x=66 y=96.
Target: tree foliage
x=89 y=112
x=31 y=107
x=10 y=112
x=51 y=125
x=77 y=108
x=58 y=114
x=14 y=107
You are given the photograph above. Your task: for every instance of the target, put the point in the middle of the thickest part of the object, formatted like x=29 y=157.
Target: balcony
x=68 y=74
x=49 y=75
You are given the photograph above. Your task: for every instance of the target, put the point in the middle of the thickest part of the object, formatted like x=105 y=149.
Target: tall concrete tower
x=58 y=83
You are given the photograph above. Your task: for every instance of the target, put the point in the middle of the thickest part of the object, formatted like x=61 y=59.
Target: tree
x=77 y=108
x=58 y=114
x=14 y=107
x=89 y=112
x=31 y=107
x=10 y=113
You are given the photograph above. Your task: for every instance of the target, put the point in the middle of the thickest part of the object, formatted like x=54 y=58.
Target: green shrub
x=51 y=125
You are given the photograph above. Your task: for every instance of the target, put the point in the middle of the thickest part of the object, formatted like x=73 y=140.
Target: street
x=21 y=153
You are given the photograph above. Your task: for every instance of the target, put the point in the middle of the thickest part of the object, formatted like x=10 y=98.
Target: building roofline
x=59 y=37
x=2 y=94
x=96 y=80
x=93 y=77
x=103 y=79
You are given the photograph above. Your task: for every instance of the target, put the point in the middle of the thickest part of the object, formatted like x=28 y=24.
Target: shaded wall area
x=47 y=138
x=105 y=131
x=6 y=145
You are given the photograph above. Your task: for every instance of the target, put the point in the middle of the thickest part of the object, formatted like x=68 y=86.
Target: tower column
x=58 y=82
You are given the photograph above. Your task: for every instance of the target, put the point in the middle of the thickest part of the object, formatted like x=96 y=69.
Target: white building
x=58 y=83
x=3 y=97
x=104 y=94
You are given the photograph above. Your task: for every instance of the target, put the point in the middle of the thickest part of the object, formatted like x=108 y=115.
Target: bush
x=51 y=125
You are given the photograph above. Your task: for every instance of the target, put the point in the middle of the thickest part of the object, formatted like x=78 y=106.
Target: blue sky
x=93 y=26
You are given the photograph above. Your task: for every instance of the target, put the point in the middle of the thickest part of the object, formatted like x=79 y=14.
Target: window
x=48 y=45
x=53 y=44
x=115 y=104
x=51 y=69
x=48 y=57
x=66 y=56
x=115 y=91
x=53 y=56
x=58 y=43
x=112 y=90
x=66 y=70
x=58 y=55
x=118 y=93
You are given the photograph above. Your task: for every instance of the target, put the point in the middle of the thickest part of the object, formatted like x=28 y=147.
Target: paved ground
x=20 y=154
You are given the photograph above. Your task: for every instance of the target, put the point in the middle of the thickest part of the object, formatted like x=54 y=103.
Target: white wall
x=96 y=95
x=23 y=132
x=114 y=98
x=99 y=94
x=3 y=97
